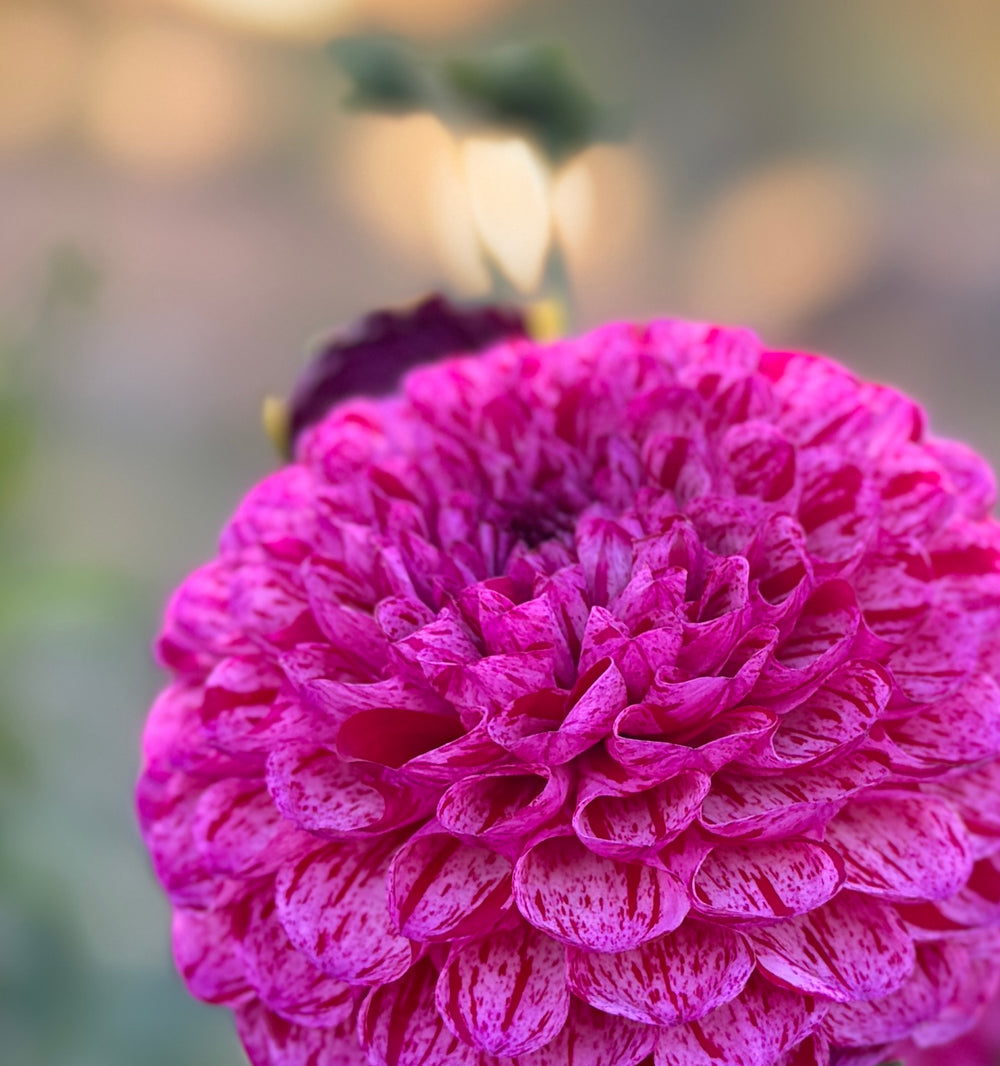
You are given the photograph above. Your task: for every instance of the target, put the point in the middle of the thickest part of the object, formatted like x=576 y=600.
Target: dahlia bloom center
x=628 y=699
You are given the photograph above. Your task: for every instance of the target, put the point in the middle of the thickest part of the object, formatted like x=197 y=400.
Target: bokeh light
x=41 y=57
x=168 y=99
x=283 y=18
x=511 y=204
x=782 y=243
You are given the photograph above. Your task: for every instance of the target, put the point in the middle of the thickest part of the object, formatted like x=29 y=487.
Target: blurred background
x=185 y=202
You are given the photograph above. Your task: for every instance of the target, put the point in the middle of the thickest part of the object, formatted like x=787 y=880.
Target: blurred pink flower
x=624 y=700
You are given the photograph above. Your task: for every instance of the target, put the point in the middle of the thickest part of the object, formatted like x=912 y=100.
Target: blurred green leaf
x=535 y=88
x=16 y=437
x=384 y=75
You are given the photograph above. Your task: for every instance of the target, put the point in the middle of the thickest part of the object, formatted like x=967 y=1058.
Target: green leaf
x=537 y=89
x=384 y=75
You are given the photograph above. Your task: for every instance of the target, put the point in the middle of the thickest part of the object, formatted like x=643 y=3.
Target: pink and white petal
x=505 y=806
x=679 y=978
x=938 y=656
x=590 y=1037
x=754 y=1029
x=543 y=728
x=604 y=549
x=893 y=586
x=284 y=979
x=833 y=720
x=316 y=790
x=762 y=882
x=973 y=794
x=838 y=507
x=849 y=949
x=902 y=846
x=506 y=993
x=238 y=832
x=761 y=808
x=823 y=638
x=271 y=1040
x=969 y=474
x=891 y=1017
x=593 y=902
x=400 y=1025
x=202 y=942
x=978 y=902
x=333 y=906
x=622 y=824
x=443 y=889
x=760 y=459
x=976 y=987
x=958 y=729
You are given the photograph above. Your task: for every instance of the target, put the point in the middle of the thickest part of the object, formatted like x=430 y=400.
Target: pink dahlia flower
x=629 y=699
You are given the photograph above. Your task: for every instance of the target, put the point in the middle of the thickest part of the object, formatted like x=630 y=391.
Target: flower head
x=629 y=699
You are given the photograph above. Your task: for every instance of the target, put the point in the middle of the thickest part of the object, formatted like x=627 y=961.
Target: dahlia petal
x=621 y=823
x=593 y=902
x=916 y=499
x=605 y=552
x=766 y=881
x=340 y=887
x=893 y=586
x=284 y=979
x=545 y=729
x=239 y=833
x=203 y=956
x=973 y=794
x=505 y=994
x=754 y=1029
x=891 y=1017
x=400 y=1025
x=781 y=570
x=830 y=723
x=590 y=1037
x=760 y=459
x=968 y=473
x=679 y=978
x=635 y=744
x=355 y=632
x=198 y=629
x=938 y=656
x=977 y=985
x=962 y=728
x=978 y=902
x=852 y=948
x=723 y=613
x=270 y=1040
x=442 y=889
x=822 y=639
x=838 y=507
x=504 y=806
x=766 y=807
x=314 y=789
x=277 y=509
x=902 y=846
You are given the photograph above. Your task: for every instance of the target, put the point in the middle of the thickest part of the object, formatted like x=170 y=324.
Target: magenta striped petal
x=622 y=824
x=766 y=881
x=505 y=994
x=548 y=728
x=238 y=832
x=284 y=979
x=831 y=722
x=973 y=795
x=271 y=1040
x=765 y=807
x=892 y=1017
x=594 y=902
x=938 y=656
x=442 y=889
x=338 y=887
x=838 y=507
x=961 y=728
x=505 y=806
x=204 y=956
x=754 y=1029
x=400 y=1025
x=678 y=978
x=590 y=1037
x=851 y=948
x=902 y=847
